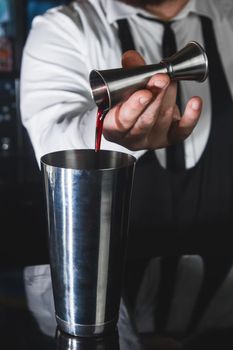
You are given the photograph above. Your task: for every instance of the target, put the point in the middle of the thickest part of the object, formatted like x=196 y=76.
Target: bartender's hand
x=150 y=118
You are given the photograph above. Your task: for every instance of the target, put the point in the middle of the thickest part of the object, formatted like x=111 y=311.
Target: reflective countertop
x=27 y=320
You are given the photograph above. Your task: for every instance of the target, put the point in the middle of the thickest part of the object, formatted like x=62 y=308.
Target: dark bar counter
x=27 y=321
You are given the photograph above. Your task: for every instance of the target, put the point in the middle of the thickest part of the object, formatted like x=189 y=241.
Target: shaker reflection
x=68 y=342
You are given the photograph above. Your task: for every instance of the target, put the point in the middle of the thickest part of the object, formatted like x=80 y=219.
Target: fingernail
x=144 y=100
x=195 y=105
x=160 y=83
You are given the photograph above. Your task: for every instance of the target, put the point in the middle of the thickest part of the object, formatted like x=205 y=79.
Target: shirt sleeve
x=55 y=99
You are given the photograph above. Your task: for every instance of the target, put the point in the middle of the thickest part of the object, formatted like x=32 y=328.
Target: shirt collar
x=117 y=10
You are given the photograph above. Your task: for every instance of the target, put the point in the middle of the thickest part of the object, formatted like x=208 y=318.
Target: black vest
x=190 y=211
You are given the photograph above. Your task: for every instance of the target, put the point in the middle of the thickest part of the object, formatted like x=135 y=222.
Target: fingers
x=151 y=113
x=182 y=128
x=139 y=113
x=120 y=119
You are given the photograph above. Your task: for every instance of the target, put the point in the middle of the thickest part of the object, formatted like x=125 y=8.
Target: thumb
x=132 y=58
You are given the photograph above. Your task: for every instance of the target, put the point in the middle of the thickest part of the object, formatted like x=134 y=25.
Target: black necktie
x=174 y=153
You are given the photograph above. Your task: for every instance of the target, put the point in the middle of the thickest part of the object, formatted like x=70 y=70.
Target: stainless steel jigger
x=109 y=87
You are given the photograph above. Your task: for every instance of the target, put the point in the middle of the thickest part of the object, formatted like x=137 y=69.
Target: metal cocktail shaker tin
x=88 y=197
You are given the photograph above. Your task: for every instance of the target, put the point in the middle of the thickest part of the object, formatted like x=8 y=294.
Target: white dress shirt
x=66 y=43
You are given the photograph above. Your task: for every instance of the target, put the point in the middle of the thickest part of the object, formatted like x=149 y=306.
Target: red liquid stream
x=99 y=127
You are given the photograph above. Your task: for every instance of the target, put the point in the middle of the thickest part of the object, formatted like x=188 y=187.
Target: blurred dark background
x=23 y=223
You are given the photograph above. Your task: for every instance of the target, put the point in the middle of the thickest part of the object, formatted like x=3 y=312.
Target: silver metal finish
x=109 y=87
x=88 y=201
